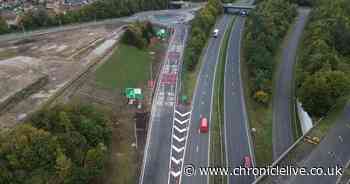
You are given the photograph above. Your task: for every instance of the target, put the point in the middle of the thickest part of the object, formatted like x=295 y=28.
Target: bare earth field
x=61 y=56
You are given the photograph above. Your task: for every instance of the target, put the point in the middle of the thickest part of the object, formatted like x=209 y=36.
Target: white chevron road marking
x=179 y=139
x=175 y=160
x=176 y=174
x=177 y=149
x=182 y=122
x=183 y=114
x=180 y=130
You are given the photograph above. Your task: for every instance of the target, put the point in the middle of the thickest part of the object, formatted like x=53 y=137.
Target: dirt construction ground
x=61 y=56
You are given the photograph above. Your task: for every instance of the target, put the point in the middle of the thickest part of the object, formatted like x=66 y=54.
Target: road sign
x=134 y=93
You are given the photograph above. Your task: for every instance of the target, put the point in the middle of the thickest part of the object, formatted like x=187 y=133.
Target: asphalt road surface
x=237 y=134
x=156 y=159
x=197 y=147
x=332 y=151
x=283 y=92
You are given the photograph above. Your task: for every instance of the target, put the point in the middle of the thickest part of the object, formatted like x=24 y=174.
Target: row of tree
x=265 y=28
x=3 y=26
x=324 y=66
x=65 y=144
x=139 y=34
x=39 y=16
x=200 y=32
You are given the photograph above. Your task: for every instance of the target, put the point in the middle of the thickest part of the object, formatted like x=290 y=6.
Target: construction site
x=34 y=70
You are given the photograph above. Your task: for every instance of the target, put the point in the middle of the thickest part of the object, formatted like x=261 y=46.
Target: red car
x=247 y=161
x=203 y=125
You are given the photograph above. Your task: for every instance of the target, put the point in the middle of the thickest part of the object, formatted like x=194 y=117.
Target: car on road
x=203 y=125
x=243 y=13
x=216 y=33
x=247 y=162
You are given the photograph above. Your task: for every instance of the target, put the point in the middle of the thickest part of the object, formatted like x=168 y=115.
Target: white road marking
x=176 y=174
x=177 y=149
x=180 y=130
x=175 y=160
x=179 y=139
x=182 y=122
x=184 y=114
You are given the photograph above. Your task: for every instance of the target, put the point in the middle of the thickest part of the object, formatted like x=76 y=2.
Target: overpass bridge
x=237 y=7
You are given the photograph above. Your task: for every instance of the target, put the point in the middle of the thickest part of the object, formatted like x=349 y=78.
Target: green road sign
x=161 y=33
x=134 y=93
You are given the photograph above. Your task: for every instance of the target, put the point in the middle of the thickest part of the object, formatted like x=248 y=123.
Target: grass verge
x=127 y=67
x=217 y=146
x=126 y=62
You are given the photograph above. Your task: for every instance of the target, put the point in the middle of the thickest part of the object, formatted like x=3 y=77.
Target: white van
x=215 y=33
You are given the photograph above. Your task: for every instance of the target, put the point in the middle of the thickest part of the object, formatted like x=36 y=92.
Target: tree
x=266 y=27
x=27 y=151
x=95 y=159
x=341 y=37
x=261 y=97
x=3 y=26
x=199 y=33
x=63 y=167
x=321 y=90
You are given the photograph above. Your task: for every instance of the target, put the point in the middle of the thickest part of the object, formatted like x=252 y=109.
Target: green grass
x=127 y=67
x=217 y=156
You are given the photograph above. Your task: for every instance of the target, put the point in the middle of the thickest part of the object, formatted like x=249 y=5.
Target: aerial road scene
x=174 y=92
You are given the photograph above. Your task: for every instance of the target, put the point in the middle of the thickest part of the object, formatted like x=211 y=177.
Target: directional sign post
x=134 y=93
